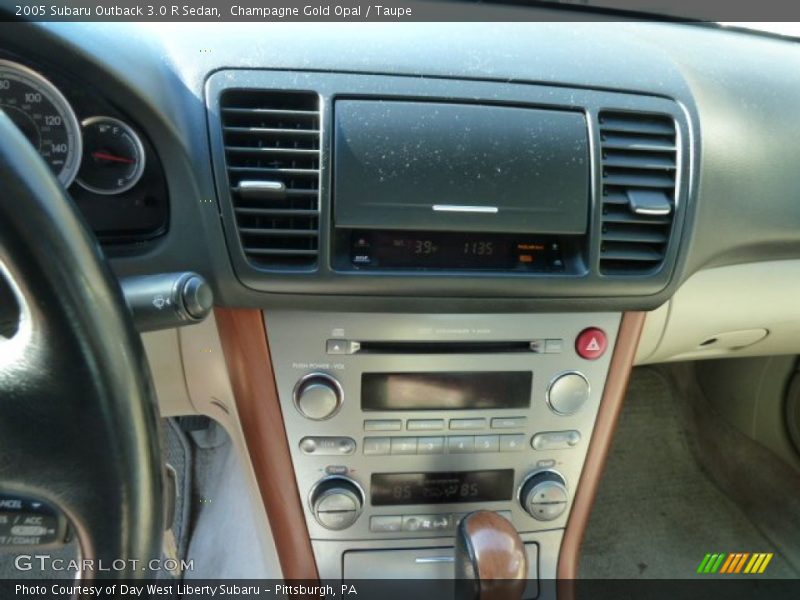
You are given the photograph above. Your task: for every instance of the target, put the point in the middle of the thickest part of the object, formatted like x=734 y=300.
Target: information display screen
x=450 y=250
x=390 y=489
x=446 y=391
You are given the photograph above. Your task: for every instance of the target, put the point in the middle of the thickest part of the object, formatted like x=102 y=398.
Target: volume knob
x=318 y=396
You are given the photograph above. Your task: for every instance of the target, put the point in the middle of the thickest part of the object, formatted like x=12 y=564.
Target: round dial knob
x=336 y=502
x=568 y=393
x=544 y=495
x=318 y=396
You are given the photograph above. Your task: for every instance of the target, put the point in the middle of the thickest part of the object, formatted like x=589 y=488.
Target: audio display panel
x=388 y=249
x=478 y=390
x=392 y=489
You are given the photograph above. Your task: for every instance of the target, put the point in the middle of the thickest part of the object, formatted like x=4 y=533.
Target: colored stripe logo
x=735 y=563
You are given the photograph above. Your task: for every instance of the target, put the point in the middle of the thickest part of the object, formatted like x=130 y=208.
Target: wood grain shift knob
x=490 y=560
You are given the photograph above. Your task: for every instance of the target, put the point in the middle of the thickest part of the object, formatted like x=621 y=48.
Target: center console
x=399 y=425
x=430 y=205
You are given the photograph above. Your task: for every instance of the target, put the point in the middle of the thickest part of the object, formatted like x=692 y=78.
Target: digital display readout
x=479 y=390
x=450 y=250
x=390 y=489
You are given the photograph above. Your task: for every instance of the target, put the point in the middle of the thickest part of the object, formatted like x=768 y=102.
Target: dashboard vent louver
x=272 y=156
x=639 y=168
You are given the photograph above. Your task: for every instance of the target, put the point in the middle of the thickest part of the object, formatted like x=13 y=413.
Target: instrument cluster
x=104 y=160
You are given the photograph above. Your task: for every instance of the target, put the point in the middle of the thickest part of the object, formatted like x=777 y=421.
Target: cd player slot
x=493 y=347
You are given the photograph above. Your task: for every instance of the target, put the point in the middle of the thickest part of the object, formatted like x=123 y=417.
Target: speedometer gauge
x=42 y=113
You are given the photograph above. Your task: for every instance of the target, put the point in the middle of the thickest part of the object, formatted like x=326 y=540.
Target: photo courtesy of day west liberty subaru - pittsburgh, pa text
x=155 y=590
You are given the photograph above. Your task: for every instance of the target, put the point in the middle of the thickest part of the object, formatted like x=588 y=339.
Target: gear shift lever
x=490 y=560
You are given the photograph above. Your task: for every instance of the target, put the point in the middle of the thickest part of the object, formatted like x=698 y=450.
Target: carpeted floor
x=658 y=513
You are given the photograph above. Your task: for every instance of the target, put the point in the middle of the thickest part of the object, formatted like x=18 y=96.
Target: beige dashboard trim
x=610 y=406
x=246 y=349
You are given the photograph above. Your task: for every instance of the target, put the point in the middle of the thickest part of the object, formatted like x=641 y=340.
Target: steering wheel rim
x=78 y=417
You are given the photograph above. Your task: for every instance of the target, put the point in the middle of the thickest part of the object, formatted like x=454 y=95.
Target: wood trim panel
x=606 y=424
x=246 y=348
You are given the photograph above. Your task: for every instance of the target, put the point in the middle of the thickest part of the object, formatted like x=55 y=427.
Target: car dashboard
x=451 y=238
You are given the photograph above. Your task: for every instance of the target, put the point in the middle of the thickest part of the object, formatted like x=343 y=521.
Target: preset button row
x=441 y=424
x=456 y=444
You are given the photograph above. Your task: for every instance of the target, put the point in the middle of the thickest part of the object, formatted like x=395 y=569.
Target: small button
x=512 y=443
x=461 y=444
x=425 y=424
x=383 y=425
x=487 y=443
x=28 y=530
x=555 y=440
x=386 y=524
x=547 y=512
x=537 y=346
x=553 y=346
x=548 y=494
x=377 y=445
x=509 y=422
x=346 y=446
x=328 y=446
x=427 y=522
x=197 y=297
x=404 y=445
x=591 y=343
x=336 y=470
x=337 y=520
x=318 y=396
x=337 y=502
x=430 y=445
x=467 y=423
x=336 y=346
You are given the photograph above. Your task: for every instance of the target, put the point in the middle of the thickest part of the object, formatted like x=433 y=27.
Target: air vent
x=272 y=155
x=639 y=161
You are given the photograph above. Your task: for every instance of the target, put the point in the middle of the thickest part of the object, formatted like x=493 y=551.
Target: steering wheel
x=78 y=417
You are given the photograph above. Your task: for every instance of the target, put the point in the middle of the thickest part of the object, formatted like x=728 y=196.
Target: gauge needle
x=111 y=157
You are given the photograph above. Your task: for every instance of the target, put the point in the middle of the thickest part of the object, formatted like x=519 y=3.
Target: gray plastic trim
x=328 y=279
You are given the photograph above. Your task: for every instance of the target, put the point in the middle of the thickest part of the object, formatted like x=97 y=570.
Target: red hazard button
x=591 y=343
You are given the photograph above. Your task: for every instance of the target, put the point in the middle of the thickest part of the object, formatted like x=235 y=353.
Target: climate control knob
x=544 y=495
x=318 y=396
x=336 y=502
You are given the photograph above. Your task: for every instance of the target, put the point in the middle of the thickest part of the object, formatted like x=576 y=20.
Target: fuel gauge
x=113 y=156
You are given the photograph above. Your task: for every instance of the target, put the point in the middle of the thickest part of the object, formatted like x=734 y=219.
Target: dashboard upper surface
x=737 y=91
